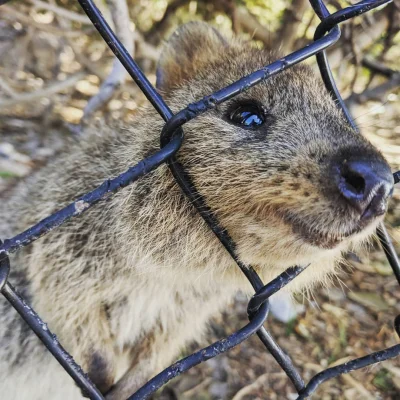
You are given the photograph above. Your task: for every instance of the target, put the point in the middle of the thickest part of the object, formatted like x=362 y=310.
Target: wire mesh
x=171 y=139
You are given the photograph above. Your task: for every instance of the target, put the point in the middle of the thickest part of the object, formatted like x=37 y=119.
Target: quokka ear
x=191 y=47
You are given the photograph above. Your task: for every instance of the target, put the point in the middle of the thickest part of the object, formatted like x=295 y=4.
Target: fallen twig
x=88 y=64
x=62 y=12
x=378 y=67
x=145 y=49
x=120 y=17
x=249 y=23
x=159 y=28
x=376 y=93
x=6 y=88
x=359 y=387
x=291 y=19
x=252 y=387
x=45 y=92
x=9 y=12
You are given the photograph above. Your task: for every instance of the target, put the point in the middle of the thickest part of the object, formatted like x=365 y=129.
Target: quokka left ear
x=191 y=47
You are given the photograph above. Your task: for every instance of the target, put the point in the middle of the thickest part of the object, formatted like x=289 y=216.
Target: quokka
x=130 y=282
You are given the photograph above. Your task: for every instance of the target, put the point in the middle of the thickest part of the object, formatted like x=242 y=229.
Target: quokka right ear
x=191 y=47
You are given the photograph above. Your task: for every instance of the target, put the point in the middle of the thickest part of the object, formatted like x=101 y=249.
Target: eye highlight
x=248 y=115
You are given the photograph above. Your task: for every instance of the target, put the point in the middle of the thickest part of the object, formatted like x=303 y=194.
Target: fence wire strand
x=171 y=139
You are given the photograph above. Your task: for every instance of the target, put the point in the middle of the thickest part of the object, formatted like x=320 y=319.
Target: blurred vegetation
x=41 y=45
x=53 y=64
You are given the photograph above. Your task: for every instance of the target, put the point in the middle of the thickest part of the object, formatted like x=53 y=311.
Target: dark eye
x=248 y=116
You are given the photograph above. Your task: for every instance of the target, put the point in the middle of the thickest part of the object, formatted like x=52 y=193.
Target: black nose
x=366 y=185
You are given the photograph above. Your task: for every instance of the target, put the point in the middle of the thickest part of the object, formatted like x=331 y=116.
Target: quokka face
x=278 y=163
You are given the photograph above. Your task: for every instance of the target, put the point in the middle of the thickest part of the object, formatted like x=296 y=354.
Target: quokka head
x=279 y=165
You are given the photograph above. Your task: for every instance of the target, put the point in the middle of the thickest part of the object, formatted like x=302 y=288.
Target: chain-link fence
x=172 y=137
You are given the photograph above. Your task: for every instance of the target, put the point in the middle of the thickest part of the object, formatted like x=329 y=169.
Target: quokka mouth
x=319 y=238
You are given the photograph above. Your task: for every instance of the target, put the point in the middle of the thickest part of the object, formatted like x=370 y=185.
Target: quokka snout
x=127 y=284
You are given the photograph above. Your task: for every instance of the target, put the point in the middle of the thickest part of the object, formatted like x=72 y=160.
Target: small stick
x=247 y=390
x=47 y=91
x=44 y=27
x=6 y=88
x=120 y=17
x=62 y=12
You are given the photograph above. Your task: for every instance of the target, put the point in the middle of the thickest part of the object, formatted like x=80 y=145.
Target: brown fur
x=126 y=285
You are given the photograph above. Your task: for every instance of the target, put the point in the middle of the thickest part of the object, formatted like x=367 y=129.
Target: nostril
x=355 y=182
x=365 y=186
